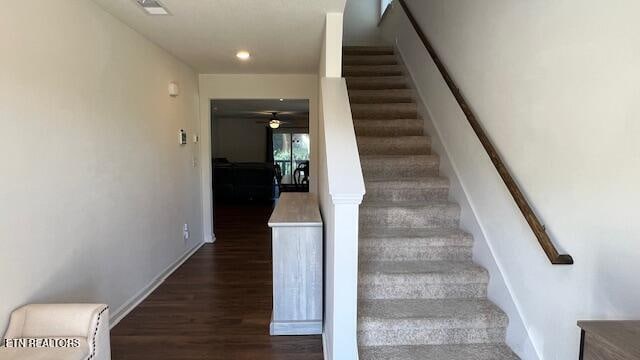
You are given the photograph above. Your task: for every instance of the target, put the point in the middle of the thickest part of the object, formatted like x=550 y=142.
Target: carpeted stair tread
x=397 y=145
x=385 y=166
x=428 y=271
x=368 y=50
x=412 y=245
x=384 y=111
x=433 y=313
x=432 y=188
x=397 y=157
x=456 y=236
x=409 y=182
x=394 y=127
x=381 y=96
x=433 y=248
x=376 y=82
x=420 y=296
x=410 y=204
x=417 y=189
x=414 y=214
x=371 y=70
x=369 y=60
x=438 y=352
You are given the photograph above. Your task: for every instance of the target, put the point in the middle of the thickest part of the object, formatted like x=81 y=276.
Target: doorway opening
x=260 y=148
x=291 y=158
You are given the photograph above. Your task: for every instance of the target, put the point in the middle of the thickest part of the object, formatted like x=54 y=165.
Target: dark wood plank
x=217 y=305
x=528 y=213
x=611 y=340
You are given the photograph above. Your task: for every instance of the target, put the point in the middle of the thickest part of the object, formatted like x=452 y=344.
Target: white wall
x=330 y=62
x=361 y=22
x=414 y=57
x=239 y=140
x=252 y=86
x=94 y=187
x=554 y=85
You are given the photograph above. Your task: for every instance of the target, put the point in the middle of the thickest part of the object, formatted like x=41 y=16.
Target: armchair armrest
x=88 y=321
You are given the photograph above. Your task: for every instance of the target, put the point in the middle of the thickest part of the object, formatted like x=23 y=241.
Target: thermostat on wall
x=182 y=137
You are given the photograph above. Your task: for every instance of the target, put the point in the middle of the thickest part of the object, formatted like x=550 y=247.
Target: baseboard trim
x=132 y=303
x=293 y=327
x=325 y=353
x=324 y=347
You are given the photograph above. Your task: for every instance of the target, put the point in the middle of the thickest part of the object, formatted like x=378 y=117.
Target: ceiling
x=283 y=36
x=294 y=112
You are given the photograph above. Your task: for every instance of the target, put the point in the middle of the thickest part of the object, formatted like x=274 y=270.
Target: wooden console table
x=610 y=340
x=297 y=244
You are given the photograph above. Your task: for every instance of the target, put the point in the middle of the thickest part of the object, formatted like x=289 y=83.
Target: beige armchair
x=58 y=331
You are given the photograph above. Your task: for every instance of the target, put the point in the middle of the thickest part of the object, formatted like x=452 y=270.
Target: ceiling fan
x=274 y=122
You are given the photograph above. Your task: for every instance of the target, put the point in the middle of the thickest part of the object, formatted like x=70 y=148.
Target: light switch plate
x=185 y=232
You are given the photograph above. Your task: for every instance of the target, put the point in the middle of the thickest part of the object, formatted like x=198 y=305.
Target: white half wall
x=251 y=86
x=331 y=52
x=341 y=192
x=94 y=189
x=341 y=188
x=554 y=84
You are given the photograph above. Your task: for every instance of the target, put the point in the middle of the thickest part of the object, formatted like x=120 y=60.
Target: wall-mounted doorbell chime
x=174 y=89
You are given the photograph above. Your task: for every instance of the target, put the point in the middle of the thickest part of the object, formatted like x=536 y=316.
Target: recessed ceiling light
x=243 y=55
x=152 y=7
x=281 y=100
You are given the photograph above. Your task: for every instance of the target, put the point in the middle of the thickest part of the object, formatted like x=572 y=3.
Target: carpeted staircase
x=420 y=294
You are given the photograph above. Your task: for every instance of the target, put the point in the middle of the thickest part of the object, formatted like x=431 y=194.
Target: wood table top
x=296 y=209
x=624 y=335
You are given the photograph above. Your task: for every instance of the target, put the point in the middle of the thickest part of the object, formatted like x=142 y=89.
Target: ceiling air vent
x=152 y=7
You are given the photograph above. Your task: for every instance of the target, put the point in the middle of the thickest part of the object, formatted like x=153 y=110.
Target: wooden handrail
x=537 y=227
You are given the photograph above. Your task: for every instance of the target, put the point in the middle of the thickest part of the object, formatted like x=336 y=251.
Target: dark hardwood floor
x=217 y=305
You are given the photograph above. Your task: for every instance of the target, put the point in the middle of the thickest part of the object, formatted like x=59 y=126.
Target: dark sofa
x=243 y=182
